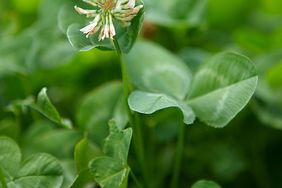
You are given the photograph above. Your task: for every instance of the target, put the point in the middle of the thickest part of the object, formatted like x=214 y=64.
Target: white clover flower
x=106 y=10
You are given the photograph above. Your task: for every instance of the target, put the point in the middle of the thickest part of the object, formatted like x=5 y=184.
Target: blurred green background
x=35 y=53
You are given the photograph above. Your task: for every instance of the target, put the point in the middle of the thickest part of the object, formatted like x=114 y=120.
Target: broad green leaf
x=112 y=170
x=163 y=80
x=40 y=170
x=179 y=13
x=193 y=57
x=10 y=156
x=117 y=143
x=148 y=103
x=109 y=172
x=222 y=87
x=205 y=184
x=97 y=108
x=126 y=36
x=152 y=68
x=84 y=152
x=43 y=164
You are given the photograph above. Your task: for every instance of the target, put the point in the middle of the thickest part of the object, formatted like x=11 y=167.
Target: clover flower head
x=104 y=13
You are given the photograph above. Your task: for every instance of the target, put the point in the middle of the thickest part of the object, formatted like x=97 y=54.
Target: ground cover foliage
x=188 y=95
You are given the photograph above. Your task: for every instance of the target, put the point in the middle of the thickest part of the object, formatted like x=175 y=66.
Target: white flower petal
x=92 y=27
x=122 y=10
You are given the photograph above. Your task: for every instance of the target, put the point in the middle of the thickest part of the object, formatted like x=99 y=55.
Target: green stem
x=178 y=156
x=137 y=131
x=2 y=179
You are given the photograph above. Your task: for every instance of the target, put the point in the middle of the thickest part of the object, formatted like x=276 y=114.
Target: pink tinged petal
x=137 y=9
x=127 y=15
x=112 y=28
x=130 y=4
x=95 y=30
x=89 y=13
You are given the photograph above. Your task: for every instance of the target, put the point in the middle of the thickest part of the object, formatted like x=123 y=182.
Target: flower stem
x=178 y=156
x=133 y=119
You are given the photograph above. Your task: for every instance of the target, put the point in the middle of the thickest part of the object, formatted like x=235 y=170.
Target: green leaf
x=43 y=164
x=164 y=80
x=109 y=172
x=45 y=107
x=10 y=156
x=117 y=143
x=85 y=152
x=222 y=87
x=112 y=170
x=205 y=184
x=153 y=68
x=148 y=103
x=104 y=102
x=40 y=170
